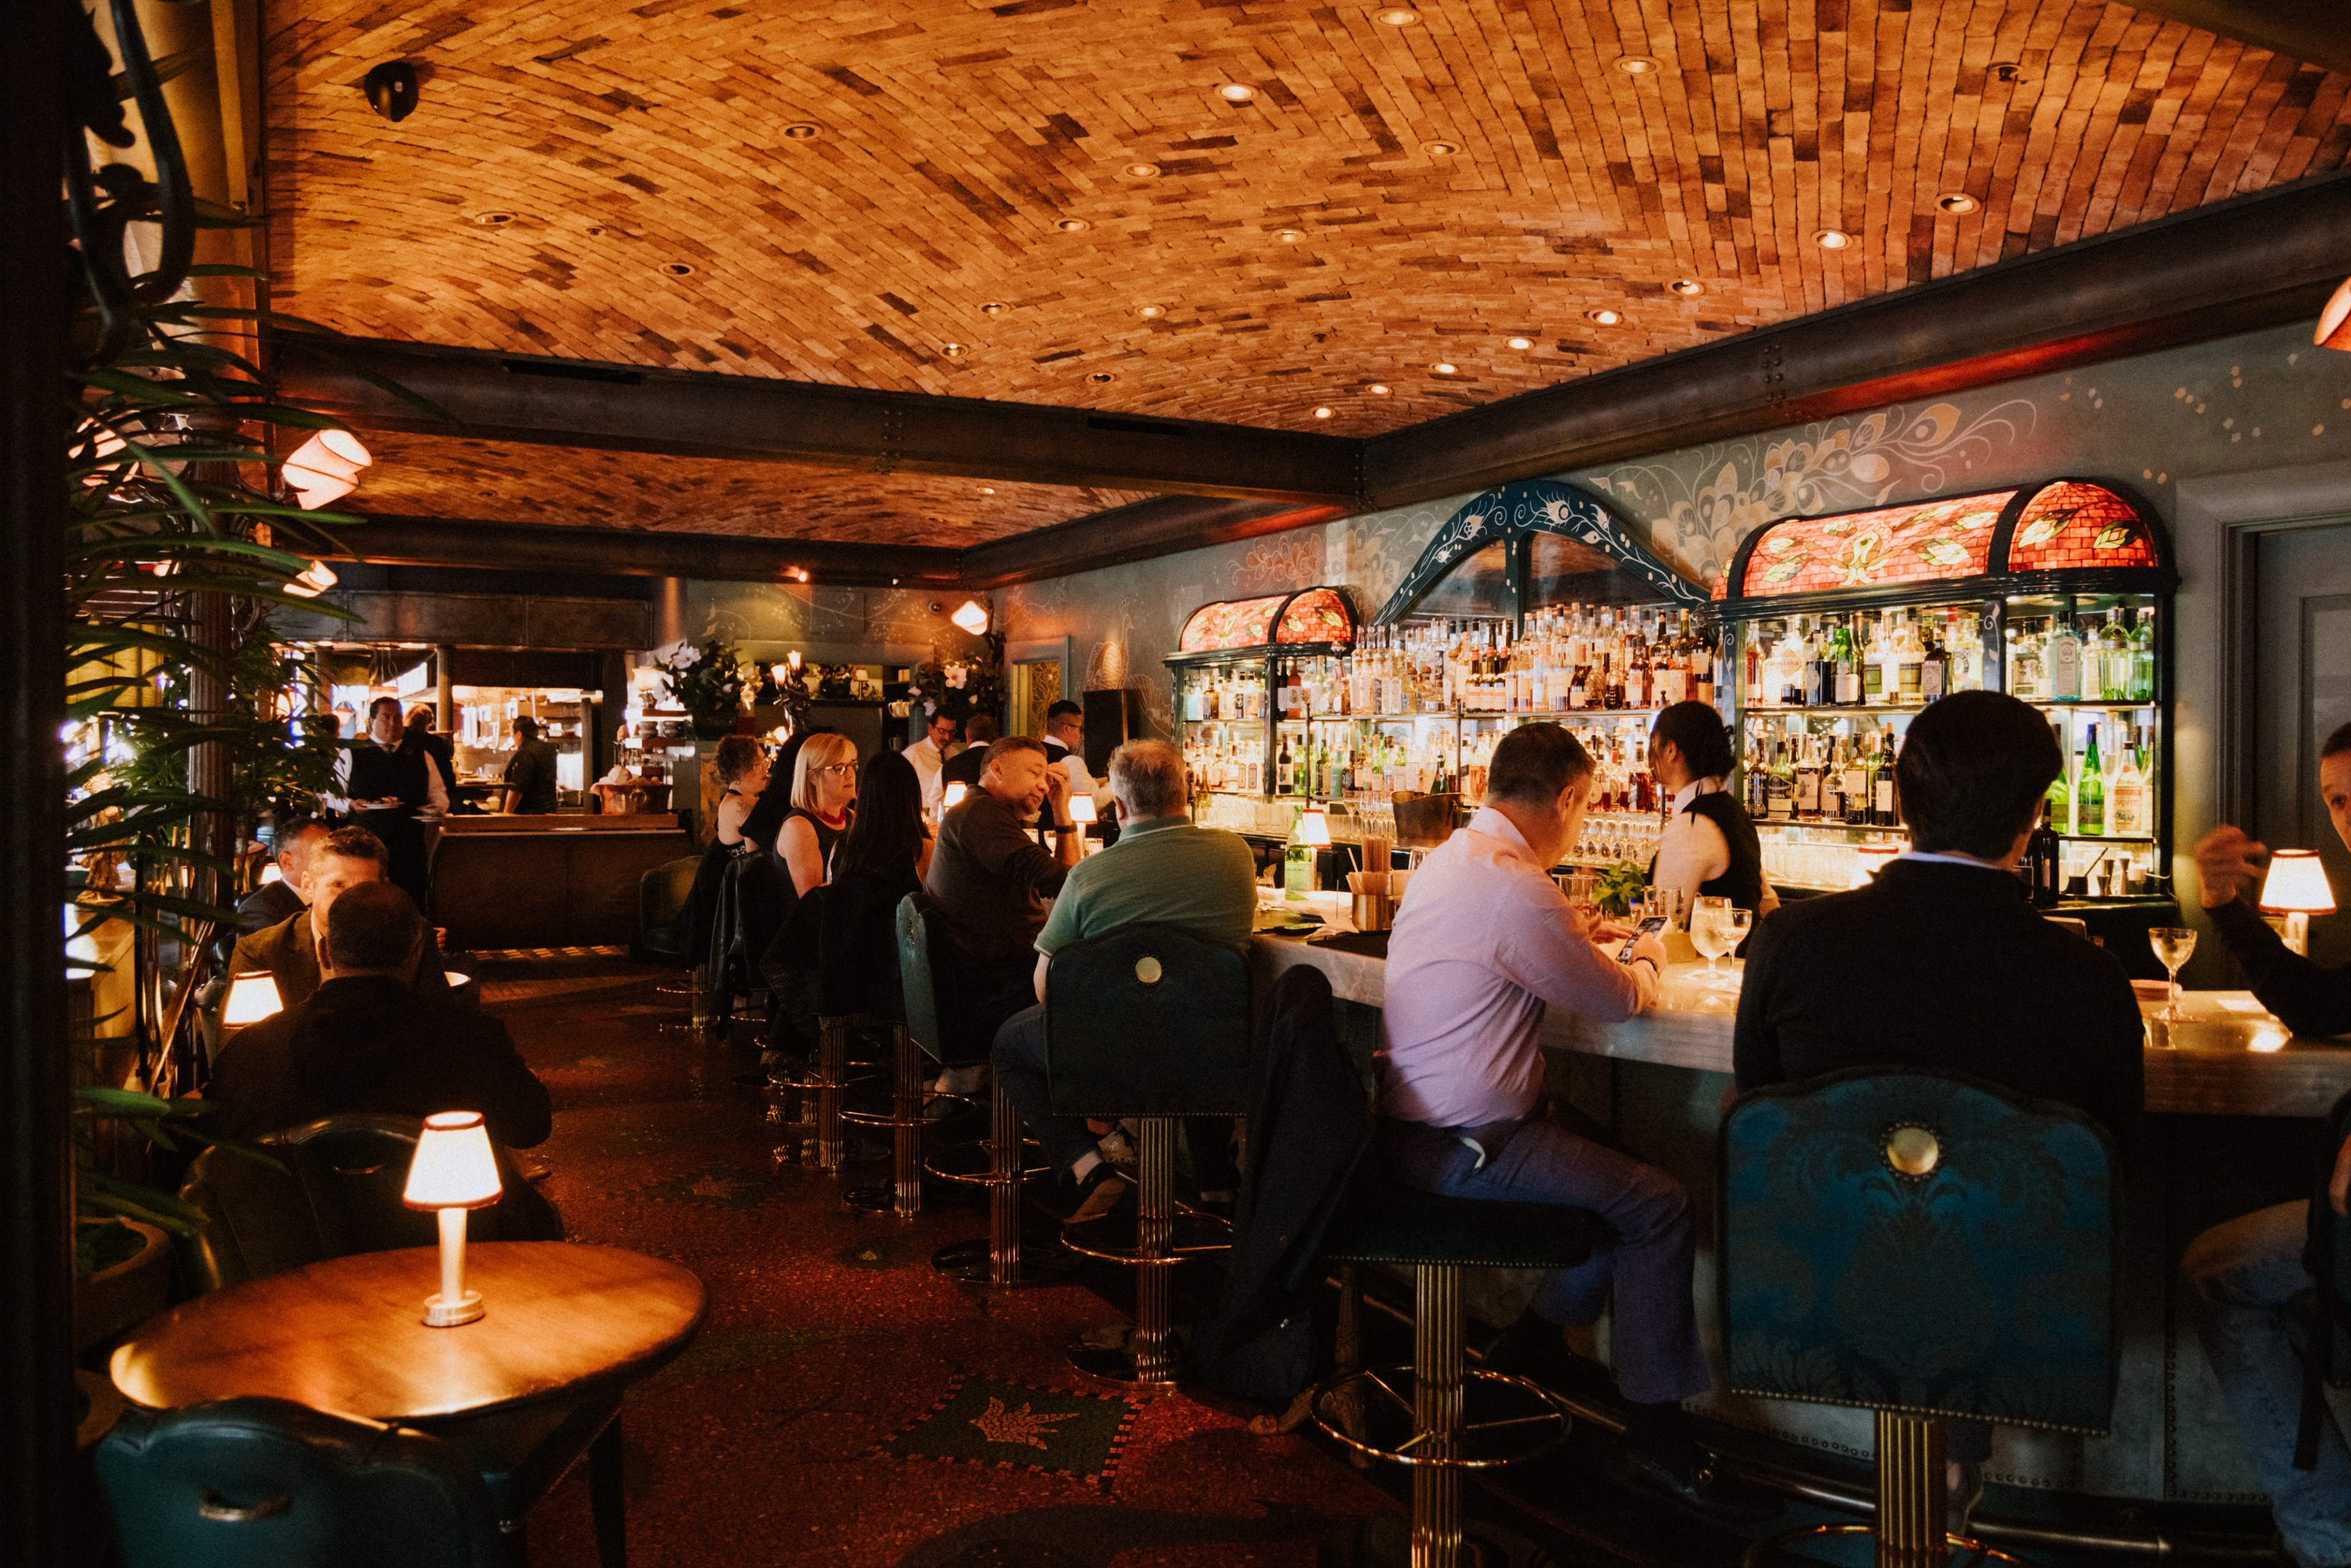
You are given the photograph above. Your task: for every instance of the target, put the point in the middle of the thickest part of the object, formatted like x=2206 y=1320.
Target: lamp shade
x=971 y=615
x=318 y=576
x=453 y=1167
x=1315 y=828
x=1868 y=860
x=2296 y=885
x=2335 y=322
x=1081 y=809
x=956 y=791
x=326 y=468
x=251 y=997
x=272 y=873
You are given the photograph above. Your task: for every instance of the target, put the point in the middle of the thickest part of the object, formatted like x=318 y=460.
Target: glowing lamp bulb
x=251 y=997
x=971 y=615
x=793 y=659
x=455 y=1169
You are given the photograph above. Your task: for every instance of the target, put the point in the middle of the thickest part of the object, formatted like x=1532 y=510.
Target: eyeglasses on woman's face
x=835 y=768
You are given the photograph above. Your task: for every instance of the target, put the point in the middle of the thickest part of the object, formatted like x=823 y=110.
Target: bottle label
x=1930 y=680
x=2064 y=668
x=1883 y=798
x=1848 y=688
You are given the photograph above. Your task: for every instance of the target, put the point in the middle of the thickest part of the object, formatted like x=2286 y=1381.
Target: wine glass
x=1708 y=924
x=2174 y=945
x=1736 y=923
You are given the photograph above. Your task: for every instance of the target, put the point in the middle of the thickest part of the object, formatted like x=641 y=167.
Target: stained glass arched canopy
x=1319 y=619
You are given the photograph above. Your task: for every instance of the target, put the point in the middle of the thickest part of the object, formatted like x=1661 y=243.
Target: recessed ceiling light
x=1443 y=367
x=1377 y=388
x=1523 y=342
x=679 y=269
x=1072 y=225
x=993 y=307
x=1440 y=149
x=800 y=132
x=952 y=350
x=1236 y=92
x=1605 y=318
x=1143 y=171
x=1100 y=377
x=1152 y=312
x=1687 y=287
x=1958 y=201
x=1398 y=17
x=1831 y=239
x=987 y=489
x=1289 y=236
x=492 y=219
x=1324 y=413
x=1636 y=65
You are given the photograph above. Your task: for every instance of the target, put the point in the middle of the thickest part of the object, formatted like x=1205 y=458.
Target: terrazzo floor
x=845 y=1405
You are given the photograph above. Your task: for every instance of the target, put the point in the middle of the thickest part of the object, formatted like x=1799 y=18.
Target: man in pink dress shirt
x=1484 y=943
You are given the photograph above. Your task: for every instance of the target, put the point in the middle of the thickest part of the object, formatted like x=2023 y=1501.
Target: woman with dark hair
x=1709 y=848
x=886 y=839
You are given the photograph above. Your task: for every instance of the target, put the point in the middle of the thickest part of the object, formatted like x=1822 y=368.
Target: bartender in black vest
x=382 y=782
x=1709 y=847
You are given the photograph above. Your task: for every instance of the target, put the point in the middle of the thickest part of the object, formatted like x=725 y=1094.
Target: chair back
x=335 y=1191
x=664 y=913
x=918 y=984
x=1921 y=1242
x=266 y=1483
x=1148 y=1020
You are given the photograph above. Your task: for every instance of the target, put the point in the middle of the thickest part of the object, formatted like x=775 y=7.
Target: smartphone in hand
x=1649 y=927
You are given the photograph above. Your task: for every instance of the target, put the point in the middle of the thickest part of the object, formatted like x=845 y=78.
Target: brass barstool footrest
x=972 y=1263
x=985 y=1153
x=1388 y=1390
x=1118 y=1363
x=1963 y=1550
x=1197 y=1234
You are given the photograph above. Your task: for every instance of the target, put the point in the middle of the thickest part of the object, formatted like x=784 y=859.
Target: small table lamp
x=2297 y=887
x=956 y=791
x=269 y=873
x=1315 y=828
x=252 y=997
x=1868 y=860
x=453 y=1171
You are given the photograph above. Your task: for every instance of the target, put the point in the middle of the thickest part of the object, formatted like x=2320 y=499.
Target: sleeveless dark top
x=744 y=844
x=826 y=837
x=1742 y=882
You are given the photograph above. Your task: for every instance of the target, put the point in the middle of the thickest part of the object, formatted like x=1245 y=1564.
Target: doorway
x=2301 y=656
x=1041 y=677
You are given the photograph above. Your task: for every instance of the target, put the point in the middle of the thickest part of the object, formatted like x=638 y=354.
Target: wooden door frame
x=1037 y=651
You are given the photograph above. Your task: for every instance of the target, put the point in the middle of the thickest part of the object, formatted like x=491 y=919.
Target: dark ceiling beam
x=2252 y=262
x=2316 y=32
x=626 y=552
x=1164 y=524
x=629 y=408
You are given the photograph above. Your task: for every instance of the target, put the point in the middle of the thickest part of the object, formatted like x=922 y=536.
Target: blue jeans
x=2239 y=1276
x=1647 y=1263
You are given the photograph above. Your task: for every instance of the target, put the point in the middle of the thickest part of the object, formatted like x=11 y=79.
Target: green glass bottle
x=2061 y=793
x=1297 y=860
x=2142 y=658
x=2090 y=792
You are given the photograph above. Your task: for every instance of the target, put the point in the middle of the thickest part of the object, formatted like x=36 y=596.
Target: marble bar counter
x=2232 y=1097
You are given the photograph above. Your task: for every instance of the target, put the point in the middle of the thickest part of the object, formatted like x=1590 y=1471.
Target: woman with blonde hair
x=824 y=797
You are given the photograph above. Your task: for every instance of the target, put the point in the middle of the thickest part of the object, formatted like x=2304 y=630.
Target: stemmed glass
x=1736 y=923
x=1709 y=931
x=2174 y=945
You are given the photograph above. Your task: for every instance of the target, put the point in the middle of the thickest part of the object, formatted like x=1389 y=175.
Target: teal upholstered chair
x=1429 y=1422
x=266 y=1483
x=1927 y=1246
x=998 y=1163
x=1149 y=1021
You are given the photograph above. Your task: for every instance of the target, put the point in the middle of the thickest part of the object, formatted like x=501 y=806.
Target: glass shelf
x=2115 y=704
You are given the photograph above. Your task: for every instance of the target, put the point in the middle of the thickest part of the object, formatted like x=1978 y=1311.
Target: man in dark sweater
x=344 y=859
x=1943 y=962
x=2241 y=1274
x=365 y=1042
x=990 y=879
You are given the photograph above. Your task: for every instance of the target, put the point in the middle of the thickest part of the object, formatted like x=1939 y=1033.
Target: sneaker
x=1103 y=1189
x=1117 y=1148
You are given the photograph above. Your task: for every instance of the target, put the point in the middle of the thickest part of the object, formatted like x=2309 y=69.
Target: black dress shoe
x=1708 y=1494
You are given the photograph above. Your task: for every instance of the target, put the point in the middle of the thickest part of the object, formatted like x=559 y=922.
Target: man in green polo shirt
x=1163 y=869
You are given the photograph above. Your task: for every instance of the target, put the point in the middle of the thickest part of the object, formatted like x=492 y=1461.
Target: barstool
x=904 y=1194
x=1434 y=1429
x=1149 y=1021
x=1927 y=1246
x=997 y=1257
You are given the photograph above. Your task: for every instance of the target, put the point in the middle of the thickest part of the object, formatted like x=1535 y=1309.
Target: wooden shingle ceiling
x=509 y=482
x=594 y=180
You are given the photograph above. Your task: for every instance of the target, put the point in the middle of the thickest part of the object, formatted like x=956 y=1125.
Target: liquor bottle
x=1855 y=790
x=1934 y=666
x=1753 y=660
x=2045 y=860
x=1779 y=785
x=2061 y=790
x=1808 y=782
x=2090 y=792
x=1702 y=667
x=2142 y=658
x=1758 y=799
x=1885 y=801
x=1832 y=782
x=2062 y=662
x=1820 y=668
x=2028 y=674
x=1297 y=860
x=1285 y=770
x=1910 y=665
x=2127 y=802
x=1873 y=671
x=2114 y=659
x=1846 y=667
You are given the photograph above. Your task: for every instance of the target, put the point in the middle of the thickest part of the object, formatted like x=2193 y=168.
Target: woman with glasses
x=824 y=796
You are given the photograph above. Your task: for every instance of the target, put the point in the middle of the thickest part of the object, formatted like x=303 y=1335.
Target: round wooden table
x=348 y=1335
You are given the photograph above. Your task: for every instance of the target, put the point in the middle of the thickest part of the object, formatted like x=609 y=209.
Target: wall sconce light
x=972 y=616
x=2297 y=887
x=315 y=580
x=2335 y=322
x=793 y=659
x=453 y=1171
x=325 y=469
x=252 y=997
